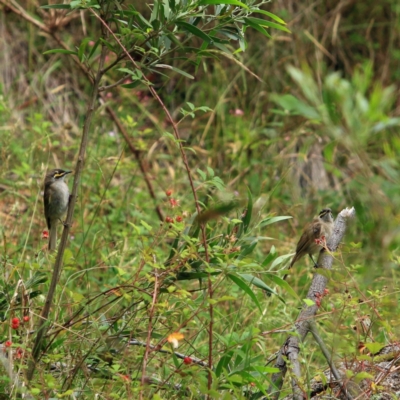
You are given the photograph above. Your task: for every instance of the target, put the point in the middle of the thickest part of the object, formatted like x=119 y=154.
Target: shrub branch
x=291 y=348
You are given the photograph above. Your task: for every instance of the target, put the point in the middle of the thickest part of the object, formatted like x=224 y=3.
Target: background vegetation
x=299 y=121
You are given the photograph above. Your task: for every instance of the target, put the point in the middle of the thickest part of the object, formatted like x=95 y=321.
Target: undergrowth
x=295 y=123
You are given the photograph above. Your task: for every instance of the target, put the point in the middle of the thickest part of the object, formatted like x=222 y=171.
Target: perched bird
x=314 y=235
x=56 y=199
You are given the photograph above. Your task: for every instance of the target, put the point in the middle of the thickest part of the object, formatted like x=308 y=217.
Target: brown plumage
x=321 y=227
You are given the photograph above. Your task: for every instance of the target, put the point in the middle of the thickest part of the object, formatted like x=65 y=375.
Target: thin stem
x=328 y=357
x=42 y=328
x=149 y=329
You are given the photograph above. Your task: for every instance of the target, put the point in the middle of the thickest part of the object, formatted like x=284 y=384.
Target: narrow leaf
x=284 y=285
x=231 y=2
x=272 y=220
x=257 y=27
x=263 y=22
x=195 y=31
x=82 y=48
x=273 y=16
x=242 y=285
x=179 y=71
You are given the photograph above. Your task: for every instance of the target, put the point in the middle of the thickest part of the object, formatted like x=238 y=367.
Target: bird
x=56 y=199
x=314 y=235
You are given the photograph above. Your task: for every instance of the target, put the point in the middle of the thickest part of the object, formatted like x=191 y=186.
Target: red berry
x=15 y=326
x=15 y=320
x=26 y=318
x=8 y=343
x=169 y=219
x=168 y=192
x=187 y=360
x=178 y=218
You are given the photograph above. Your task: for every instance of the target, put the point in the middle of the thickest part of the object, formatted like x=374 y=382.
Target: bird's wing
x=317 y=228
x=47 y=201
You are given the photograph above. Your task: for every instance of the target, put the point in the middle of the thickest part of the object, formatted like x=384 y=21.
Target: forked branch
x=291 y=348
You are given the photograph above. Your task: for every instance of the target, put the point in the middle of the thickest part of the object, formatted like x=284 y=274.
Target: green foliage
x=130 y=281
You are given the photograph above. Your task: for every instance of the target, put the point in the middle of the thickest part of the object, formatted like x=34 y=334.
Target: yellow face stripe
x=60 y=174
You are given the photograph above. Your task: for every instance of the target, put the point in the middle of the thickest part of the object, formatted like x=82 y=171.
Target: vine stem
x=189 y=174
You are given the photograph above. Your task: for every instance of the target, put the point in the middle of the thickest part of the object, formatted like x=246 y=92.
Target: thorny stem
x=187 y=167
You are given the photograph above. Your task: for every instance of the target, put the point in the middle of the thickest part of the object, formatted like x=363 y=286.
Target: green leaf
x=223 y=363
x=374 y=347
x=272 y=220
x=257 y=27
x=242 y=285
x=36 y=279
x=263 y=22
x=308 y=302
x=82 y=48
x=272 y=254
x=273 y=16
x=146 y=225
x=93 y=49
x=259 y=283
x=283 y=284
x=296 y=106
x=281 y=260
x=231 y=2
x=61 y=51
x=202 y=174
x=195 y=31
x=179 y=71
x=363 y=375
x=108 y=45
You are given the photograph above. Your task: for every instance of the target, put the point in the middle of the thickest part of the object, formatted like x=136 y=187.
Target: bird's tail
x=53 y=238
x=294 y=259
